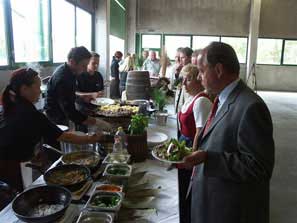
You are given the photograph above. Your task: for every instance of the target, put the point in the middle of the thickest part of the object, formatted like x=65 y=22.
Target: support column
x=131 y=25
x=102 y=31
x=253 y=37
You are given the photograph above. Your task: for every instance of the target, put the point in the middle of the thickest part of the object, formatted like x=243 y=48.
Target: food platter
x=154 y=153
x=102 y=101
x=171 y=151
x=117 y=110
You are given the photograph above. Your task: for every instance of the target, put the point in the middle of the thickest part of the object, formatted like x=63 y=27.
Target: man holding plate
x=235 y=157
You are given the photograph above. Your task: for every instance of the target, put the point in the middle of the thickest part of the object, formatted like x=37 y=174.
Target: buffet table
x=164 y=205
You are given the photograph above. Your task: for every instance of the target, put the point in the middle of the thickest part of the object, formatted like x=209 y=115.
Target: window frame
x=247 y=45
x=10 y=40
x=281 y=56
x=186 y=35
x=154 y=49
x=283 y=52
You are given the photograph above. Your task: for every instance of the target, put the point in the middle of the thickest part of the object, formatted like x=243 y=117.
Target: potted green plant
x=137 y=138
x=160 y=100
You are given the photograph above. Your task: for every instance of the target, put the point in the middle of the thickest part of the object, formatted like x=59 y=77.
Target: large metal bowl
x=58 y=176
x=89 y=159
x=25 y=203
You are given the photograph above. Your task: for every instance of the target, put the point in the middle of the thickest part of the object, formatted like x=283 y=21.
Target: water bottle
x=117 y=145
x=120 y=137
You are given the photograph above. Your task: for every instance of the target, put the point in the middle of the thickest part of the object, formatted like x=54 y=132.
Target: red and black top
x=187 y=120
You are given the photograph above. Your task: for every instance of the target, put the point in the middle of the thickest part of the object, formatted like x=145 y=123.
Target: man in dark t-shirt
x=91 y=81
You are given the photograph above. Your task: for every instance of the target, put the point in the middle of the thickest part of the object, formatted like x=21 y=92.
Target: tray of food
x=105 y=201
x=172 y=151
x=118 y=170
x=114 y=158
x=117 y=110
x=109 y=188
x=90 y=159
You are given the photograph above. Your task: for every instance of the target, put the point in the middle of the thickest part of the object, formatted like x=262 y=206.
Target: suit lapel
x=224 y=109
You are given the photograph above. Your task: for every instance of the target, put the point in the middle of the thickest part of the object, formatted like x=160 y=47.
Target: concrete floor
x=283 y=199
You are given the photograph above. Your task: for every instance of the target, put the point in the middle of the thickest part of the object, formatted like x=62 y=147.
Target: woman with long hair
x=23 y=126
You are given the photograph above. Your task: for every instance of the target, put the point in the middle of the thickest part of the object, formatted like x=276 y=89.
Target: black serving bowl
x=24 y=204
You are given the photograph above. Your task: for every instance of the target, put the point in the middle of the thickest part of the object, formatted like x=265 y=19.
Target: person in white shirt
x=152 y=64
x=191 y=117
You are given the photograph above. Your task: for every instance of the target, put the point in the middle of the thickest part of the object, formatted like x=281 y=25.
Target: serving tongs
x=170 y=148
x=52 y=154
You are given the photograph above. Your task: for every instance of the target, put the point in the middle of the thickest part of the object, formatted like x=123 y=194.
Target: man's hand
x=103 y=125
x=100 y=94
x=194 y=159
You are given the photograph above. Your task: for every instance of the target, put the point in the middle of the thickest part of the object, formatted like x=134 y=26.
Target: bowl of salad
x=105 y=201
x=172 y=151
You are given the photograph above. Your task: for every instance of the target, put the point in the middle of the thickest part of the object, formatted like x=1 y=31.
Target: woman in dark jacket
x=23 y=126
x=114 y=73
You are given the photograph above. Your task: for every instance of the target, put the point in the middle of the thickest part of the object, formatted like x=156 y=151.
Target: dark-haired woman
x=23 y=126
x=114 y=73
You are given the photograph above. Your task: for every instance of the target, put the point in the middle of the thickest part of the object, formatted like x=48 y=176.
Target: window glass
x=290 y=52
x=269 y=51
x=151 y=41
x=239 y=44
x=116 y=44
x=30 y=30
x=83 y=28
x=174 y=42
x=199 y=42
x=3 y=46
x=63 y=29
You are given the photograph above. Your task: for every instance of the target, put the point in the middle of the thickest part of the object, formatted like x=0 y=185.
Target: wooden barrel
x=138 y=85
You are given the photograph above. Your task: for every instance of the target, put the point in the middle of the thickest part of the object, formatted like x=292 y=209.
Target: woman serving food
x=24 y=126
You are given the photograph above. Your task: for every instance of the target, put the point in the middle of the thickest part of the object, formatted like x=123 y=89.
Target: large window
x=116 y=44
x=239 y=44
x=174 y=42
x=269 y=51
x=290 y=52
x=200 y=42
x=151 y=41
x=83 y=29
x=30 y=30
x=3 y=46
x=63 y=29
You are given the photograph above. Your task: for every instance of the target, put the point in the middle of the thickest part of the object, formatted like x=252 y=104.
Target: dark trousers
x=184 y=177
x=10 y=173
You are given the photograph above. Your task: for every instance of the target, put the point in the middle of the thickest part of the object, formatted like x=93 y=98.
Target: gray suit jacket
x=232 y=186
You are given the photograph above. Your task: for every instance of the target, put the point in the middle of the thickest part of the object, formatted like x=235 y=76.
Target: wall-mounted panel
x=228 y=17
x=278 y=19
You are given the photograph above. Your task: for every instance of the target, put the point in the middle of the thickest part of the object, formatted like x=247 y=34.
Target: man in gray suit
x=235 y=157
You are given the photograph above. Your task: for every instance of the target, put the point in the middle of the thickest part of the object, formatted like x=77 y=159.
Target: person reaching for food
x=23 y=126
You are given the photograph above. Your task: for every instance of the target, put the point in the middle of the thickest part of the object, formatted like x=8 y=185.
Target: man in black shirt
x=92 y=80
x=60 y=97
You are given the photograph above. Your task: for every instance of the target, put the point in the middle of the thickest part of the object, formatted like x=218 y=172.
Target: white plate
x=102 y=101
x=156 y=138
x=85 y=93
